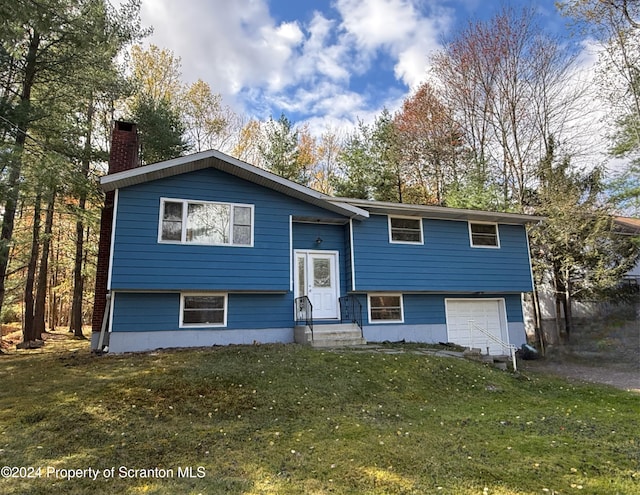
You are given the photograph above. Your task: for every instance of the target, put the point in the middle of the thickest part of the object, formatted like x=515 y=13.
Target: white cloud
x=263 y=66
x=413 y=57
x=399 y=28
x=376 y=23
x=320 y=57
x=231 y=45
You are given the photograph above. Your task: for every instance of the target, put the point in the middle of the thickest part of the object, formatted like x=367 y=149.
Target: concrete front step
x=338 y=335
x=324 y=343
x=499 y=361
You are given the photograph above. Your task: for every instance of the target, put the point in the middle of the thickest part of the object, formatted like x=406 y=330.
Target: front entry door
x=317 y=278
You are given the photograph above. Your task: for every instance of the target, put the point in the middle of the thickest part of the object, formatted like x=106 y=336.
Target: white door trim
x=334 y=313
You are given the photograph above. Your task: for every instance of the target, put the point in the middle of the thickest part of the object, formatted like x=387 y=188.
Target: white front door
x=317 y=278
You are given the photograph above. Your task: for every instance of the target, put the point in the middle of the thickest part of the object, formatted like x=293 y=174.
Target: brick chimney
x=123 y=156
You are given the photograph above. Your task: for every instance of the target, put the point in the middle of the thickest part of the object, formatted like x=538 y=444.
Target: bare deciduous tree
x=511 y=87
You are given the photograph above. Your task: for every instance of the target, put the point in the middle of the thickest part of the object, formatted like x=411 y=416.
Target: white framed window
x=385 y=308
x=205 y=222
x=405 y=230
x=484 y=235
x=203 y=310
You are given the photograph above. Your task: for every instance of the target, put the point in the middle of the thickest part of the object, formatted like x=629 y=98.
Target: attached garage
x=470 y=320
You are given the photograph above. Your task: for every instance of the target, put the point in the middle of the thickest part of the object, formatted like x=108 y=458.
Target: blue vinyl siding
x=144 y=312
x=140 y=262
x=333 y=237
x=423 y=309
x=247 y=311
x=514 y=307
x=445 y=263
x=429 y=309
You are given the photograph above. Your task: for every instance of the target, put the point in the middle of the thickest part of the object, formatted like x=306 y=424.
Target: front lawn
x=293 y=420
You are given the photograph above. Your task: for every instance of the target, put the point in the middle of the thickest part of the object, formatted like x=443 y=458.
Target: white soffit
x=439 y=212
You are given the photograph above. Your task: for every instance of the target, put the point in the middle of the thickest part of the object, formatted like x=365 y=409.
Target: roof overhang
x=627 y=225
x=358 y=209
x=439 y=212
x=220 y=161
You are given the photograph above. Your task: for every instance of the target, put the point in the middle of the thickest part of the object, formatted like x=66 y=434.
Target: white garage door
x=486 y=314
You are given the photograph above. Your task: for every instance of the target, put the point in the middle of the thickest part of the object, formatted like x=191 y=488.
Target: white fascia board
x=439 y=212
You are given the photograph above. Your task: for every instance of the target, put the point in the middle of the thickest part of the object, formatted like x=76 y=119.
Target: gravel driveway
x=625 y=376
x=602 y=350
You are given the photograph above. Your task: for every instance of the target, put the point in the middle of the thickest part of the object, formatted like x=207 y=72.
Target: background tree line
x=501 y=122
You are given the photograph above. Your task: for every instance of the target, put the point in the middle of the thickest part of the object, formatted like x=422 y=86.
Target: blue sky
x=324 y=63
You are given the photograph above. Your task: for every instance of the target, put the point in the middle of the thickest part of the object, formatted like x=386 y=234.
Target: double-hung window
x=405 y=230
x=484 y=235
x=385 y=308
x=203 y=310
x=206 y=222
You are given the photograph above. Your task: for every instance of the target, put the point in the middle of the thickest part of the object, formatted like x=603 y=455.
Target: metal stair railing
x=351 y=311
x=510 y=347
x=304 y=312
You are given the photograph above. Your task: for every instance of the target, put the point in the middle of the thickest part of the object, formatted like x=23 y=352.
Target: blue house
x=208 y=250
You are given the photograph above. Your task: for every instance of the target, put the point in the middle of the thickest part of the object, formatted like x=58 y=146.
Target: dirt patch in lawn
x=58 y=341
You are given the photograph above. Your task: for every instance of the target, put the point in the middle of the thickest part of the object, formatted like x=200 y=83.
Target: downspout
x=353 y=256
x=107 y=310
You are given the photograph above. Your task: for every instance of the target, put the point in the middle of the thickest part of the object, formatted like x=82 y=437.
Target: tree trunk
x=41 y=296
x=28 y=330
x=53 y=294
x=15 y=166
x=537 y=322
x=568 y=312
x=558 y=309
x=557 y=291
x=10 y=206
x=78 y=281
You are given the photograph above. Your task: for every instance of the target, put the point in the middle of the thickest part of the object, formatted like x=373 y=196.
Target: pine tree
x=161 y=130
x=280 y=150
x=575 y=248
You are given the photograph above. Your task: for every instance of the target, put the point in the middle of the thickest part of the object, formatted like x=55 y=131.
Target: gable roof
x=220 y=161
x=352 y=208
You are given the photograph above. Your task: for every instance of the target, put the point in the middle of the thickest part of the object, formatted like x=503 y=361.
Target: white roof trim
x=349 y=207
x=233 y=166
x=439 y=212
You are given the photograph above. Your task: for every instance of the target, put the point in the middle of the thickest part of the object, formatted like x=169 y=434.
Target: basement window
x=203 y=310
x=385 y=308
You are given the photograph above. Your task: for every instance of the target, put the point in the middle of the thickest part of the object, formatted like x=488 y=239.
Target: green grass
x=292 y=420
